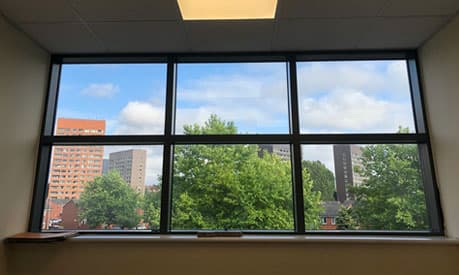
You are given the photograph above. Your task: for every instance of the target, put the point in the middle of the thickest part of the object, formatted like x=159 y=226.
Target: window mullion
x=166 y=208
x=296 y=147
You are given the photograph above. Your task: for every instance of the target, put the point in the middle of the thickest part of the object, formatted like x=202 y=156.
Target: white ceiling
x=120 y=26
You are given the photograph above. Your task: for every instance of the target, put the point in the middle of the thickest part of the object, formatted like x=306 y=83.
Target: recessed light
x=227 y=9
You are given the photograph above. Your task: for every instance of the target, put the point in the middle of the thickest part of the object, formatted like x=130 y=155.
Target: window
x=296 y=143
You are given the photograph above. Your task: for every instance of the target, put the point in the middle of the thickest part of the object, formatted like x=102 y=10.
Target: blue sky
x=334 y=97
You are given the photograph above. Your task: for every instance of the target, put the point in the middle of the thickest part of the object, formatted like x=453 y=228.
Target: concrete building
x=346 y=157
x=282 y=150
x=131 y=164
x=73 y=166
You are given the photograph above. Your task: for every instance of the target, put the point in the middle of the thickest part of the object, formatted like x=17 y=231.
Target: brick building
x=72 y=166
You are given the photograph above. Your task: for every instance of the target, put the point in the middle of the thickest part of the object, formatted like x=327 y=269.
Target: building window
x=277 y=143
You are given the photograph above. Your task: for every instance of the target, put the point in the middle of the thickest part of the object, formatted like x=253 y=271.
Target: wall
x=23 y=71
x=440 y=72
x=23 y=76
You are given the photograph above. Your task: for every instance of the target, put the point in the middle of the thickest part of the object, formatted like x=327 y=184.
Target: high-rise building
x=131 y=165
x=73 y=166
x=282 y=150
x=346 y=157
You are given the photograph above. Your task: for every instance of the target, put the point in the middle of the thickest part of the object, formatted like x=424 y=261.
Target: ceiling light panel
x=227 y=9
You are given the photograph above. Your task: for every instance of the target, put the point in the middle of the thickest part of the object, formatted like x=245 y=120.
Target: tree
x=152 y=208
x=108 y=200
x=322 y=178
x=346 y=219
x=391 y=196
x=233 y=186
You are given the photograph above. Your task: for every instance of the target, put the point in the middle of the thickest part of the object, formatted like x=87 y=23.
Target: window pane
x=252 y=95
x=363 y=187
x=354 y=97
x=129 y=97
x=235 y=187
x=103 y=187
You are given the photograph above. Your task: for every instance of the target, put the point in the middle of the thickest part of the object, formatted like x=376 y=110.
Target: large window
x=296 y=144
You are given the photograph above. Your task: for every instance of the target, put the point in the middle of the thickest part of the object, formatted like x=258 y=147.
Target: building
x=105 y=166
x=282 y=150
x=346 y=158
x=131 y=164
x=73 y=166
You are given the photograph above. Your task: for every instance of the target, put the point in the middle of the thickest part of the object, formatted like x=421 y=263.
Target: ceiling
x=130 y=26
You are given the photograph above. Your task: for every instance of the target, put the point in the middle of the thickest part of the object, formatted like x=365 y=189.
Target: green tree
x=391 y=196
x=233 y=187
x=109 y=201
x=346 y=219
x=152 y=208
x=322 y=178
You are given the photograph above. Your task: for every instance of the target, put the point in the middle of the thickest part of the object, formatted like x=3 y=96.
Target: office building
x=282 y=150
x=131 y=164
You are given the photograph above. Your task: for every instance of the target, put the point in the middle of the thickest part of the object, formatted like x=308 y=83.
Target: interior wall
x=439 y=59
x=23 y=79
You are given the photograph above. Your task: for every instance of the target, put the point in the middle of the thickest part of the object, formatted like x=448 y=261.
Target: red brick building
x=72 y=166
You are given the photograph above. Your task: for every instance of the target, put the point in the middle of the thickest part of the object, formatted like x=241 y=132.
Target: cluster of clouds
x=334 y=97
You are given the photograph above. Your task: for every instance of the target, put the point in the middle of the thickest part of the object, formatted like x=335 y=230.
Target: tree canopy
x=322 y=178
x=391 y=196
x=233 y=186
x=109 y=201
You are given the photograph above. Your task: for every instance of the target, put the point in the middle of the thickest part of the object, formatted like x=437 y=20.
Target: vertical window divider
x=296 y=146
x=432 y=194
x=45 y=149
x=166 y=184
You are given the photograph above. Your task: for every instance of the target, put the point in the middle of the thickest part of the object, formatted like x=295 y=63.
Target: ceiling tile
x=319 y=34
x=64 y=37
x=230 y=35
x=127 y=10
x=141 y=36
x=328 y=8
x=400 y=32
x=25 y=11
x=420 y=7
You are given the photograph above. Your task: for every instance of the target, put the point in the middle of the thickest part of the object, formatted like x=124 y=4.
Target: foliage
x=233 y=186
x=346 y=219
x=322 y=178
x=391 y=196
x=109 y=201
x=152 y=208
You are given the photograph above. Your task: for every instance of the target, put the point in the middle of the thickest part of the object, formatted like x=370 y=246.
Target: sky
x=334 y=97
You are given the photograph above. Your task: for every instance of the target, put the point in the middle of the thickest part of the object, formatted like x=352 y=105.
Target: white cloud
x=100 y=90
x=353 y=111
x=139 y=117
x=322 y=153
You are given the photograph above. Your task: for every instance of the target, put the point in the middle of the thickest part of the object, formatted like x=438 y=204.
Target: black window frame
x=168 y=139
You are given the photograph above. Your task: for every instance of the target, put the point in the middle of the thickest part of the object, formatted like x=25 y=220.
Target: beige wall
x=23 y=71
x=23 y=74
x=440 y=72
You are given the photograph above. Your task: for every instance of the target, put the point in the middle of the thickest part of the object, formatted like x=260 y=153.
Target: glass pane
x=232 y=187
x=104 y=188
x=355 y=97
x=129 y=98
x=253 y=96
x=363 y=187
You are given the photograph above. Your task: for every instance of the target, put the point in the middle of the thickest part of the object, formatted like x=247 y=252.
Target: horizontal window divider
x=363 y=138
x=105 y=140
x=270 y=56
x=238 y=139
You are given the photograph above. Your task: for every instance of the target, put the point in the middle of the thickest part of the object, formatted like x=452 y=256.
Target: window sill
x=263 y=239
